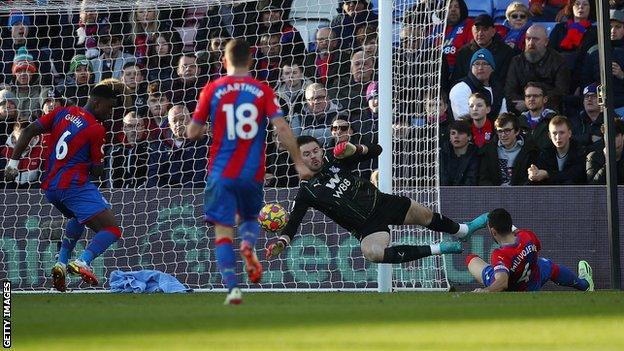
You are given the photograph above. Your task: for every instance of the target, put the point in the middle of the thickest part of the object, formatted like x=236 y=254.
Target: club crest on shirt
x=334 y=169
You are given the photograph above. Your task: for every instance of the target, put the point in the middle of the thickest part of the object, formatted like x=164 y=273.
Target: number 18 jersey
x=239 y=109
x=76 y=140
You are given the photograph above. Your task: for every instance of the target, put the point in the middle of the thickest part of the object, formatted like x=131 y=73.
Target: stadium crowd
x=519 y=101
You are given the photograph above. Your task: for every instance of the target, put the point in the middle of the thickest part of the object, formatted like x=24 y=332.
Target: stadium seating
x=477 y=7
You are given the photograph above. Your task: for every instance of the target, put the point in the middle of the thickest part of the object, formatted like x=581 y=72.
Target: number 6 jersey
x=239 y=109
x=76 y=140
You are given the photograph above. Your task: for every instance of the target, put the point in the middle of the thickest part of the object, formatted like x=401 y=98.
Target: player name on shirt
x=76 y=120
x=255 y=90
x=524 y=253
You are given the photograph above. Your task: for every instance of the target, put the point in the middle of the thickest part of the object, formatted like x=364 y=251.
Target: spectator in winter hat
x=26 y=86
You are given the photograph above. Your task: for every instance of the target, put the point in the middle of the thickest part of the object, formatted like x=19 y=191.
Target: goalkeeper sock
x=73 y=232
x=249 y=231
x=562 y=275
x=100 y=242
x=405 y=253
x=441 y=223
x=226 y=261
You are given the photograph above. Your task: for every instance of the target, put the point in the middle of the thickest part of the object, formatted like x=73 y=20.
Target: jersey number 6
x=242 y=122
x=61 y=146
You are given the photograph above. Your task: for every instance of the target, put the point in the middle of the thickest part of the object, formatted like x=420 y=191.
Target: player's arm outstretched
x=289 y=231
x=286 y=137
x=27 y=134
x=351 y=154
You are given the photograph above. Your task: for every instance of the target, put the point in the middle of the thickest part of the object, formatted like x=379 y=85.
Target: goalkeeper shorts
x=389 y=210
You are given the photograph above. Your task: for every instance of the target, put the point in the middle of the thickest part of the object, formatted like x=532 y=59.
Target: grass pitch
x=321 y=321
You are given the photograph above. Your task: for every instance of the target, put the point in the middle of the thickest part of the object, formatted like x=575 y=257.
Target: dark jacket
x=338 y=67
x=591 y=70
x=171 y=166
x=459 y=170
x=128 y=165
x=502 y=58
x=552 y=71
x=587 y=132
x=539 y=135
x=344 y=25
x=597 y=170
x=573 y=169
x=497 y=91
x=490 y=170
x=575 y=58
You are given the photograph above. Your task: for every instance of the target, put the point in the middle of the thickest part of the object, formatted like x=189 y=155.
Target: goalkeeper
x=359 y=207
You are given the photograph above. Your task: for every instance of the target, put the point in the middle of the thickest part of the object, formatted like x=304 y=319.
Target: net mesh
x=320 y=60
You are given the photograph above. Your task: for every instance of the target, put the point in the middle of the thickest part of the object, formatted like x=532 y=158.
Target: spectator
x=587 y=125
x=591 y=67
x=289 y=39
x=91 y=23
x=458 y=31
x=538 y=63
x=517 y=22
x=485 y=37
x=370 y=46
x=27 y=88
x=327 y=63
x=134 y=79
x=351 y=14
x=482 y=131
x=363 y=32
x=51 y=101
x=459 y=164
x=317 y=114
x=145 y=24
x=506 y=161
x=78 y=82
x=29 y=166
x=437 y=111
x=534 y=122
x=218 y=40
x=127 y=161
x=112 y=59
x=8 y=114
x=596 y=160
x=268 y=58
x=163 y=51
x=186 y=87
x=351 y=90
x=20 y=40
x=291 y=89
x=158 y=104
x=479 y=80
x=547 y=10
x=564 y=161
x=576 y=36
x=176 y=161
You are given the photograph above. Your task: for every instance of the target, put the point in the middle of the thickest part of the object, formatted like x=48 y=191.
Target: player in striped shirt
x=239 y=109
x=516 y=265
x=75 y=153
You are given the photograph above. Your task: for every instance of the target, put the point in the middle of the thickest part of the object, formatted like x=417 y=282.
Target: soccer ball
x=273 y=217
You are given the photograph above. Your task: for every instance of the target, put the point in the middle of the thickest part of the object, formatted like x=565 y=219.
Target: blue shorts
x=545 y=266
x=83 y=202
x=224 y=198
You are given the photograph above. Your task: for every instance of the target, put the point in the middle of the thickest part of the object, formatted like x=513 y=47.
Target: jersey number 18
x=241 y=122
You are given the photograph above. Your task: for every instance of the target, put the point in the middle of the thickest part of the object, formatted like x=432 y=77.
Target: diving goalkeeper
x=359 y=207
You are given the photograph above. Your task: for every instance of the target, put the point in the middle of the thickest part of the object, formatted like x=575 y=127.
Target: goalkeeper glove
x=344 y=149
x=277 y=247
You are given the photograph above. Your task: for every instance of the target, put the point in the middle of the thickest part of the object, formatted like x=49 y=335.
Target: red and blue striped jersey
x=520 y=261
x=239 y=109
x=76 y=140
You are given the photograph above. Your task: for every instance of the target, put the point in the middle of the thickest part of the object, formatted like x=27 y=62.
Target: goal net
x=320 y=56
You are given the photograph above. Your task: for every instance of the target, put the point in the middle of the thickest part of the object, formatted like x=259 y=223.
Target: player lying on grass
x=75 y=153
x=516 y=265
x=359 y=207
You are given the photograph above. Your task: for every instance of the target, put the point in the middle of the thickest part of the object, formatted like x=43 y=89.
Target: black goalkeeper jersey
x=345 y=198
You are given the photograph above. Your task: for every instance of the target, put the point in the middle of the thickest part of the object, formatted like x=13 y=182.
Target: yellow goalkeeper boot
x=80 y=268
x=58 y=277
